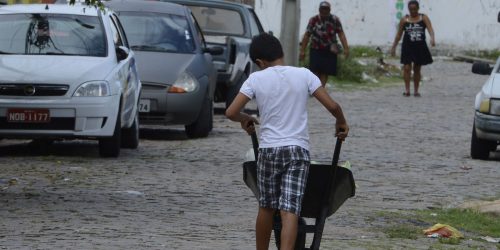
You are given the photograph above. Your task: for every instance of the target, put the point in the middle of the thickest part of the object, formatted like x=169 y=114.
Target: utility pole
x=290 y=31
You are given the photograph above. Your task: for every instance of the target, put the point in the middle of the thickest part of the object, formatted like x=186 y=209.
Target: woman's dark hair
x=265 y=47
x=415 y=2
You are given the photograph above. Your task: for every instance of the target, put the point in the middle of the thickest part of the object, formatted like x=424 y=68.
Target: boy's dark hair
x=265 y=47
x=415 y=2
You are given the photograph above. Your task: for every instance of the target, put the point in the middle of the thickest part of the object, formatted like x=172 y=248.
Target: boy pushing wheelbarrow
x=281 y=93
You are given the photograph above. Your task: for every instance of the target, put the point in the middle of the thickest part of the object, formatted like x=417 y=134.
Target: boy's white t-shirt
x=281 y=93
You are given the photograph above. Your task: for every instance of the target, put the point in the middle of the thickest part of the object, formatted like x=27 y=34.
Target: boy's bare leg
x=263 y=227
x=289 y=229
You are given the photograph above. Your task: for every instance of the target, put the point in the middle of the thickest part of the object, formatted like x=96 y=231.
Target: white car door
x=126 y=73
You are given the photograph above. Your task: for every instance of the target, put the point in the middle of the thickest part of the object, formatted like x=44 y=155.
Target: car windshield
x=157 y=32
x=52 y=34
x=218 y=21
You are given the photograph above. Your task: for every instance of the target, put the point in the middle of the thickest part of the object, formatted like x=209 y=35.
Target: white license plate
x=28 y=115
x=144 y=105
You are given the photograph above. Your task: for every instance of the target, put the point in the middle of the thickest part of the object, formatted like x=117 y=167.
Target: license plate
x=28 y=115
x=144 y=105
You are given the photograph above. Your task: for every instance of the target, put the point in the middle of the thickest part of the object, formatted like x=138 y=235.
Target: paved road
x=175 y=193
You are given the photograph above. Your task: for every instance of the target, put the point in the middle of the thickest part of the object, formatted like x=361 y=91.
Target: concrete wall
x=458 y=24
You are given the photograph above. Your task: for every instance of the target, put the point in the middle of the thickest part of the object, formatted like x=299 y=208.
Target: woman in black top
x=414 y=50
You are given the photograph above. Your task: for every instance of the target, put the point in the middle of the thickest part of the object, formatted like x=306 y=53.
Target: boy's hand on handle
x=341 y=130
x=248 y=124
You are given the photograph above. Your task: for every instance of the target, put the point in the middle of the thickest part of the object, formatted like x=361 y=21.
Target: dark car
x=232 y=26
x=175 y=65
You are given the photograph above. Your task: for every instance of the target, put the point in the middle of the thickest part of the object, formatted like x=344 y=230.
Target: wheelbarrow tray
x=337 y=183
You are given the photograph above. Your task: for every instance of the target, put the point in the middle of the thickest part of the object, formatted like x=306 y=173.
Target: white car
x=486 y=128
x=66 y=72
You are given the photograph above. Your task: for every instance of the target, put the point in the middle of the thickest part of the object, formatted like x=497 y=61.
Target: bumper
x=487 y=126
x=82 y=117
x=171 y=108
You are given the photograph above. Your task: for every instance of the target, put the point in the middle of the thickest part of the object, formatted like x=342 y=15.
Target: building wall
x=459 y=24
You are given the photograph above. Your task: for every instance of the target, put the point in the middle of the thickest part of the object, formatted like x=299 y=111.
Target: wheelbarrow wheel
x=300 y=241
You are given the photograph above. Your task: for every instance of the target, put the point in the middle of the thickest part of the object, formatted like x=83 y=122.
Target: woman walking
x=414 y=52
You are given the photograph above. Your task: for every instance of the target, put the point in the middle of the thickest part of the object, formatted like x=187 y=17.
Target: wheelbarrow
x=327 y=188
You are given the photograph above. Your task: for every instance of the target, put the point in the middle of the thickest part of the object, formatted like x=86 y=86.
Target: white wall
x=460 y=24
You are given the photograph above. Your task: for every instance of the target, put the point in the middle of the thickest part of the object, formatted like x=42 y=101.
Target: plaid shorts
x=282 y=174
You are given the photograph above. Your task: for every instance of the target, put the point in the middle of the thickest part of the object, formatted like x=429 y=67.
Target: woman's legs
x=322 y=77
x=416 y=78
x=407 y=78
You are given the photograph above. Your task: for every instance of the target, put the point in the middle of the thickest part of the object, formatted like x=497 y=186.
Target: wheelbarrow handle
x=336 y=153
x=255 y=143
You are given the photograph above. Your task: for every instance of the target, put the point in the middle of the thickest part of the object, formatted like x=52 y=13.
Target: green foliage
x=403 y=231
x=450 y=241
x=464 y=219
x=350 y=70
x=488 y=54
x=95 y=3
x=364 y=51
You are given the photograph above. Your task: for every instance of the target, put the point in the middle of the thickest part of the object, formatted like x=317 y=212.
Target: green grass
x=468 y=220
x=364 y=51
x=488 y=54
x=350 y=71
x=410 y=224
x=404 y=231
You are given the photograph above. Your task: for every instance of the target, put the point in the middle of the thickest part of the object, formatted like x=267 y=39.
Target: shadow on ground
x=167 y=134
x=60 y=148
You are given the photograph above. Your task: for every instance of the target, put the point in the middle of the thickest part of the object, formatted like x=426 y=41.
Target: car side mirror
x=122 y=53
x=481 y=68
x=215 y=51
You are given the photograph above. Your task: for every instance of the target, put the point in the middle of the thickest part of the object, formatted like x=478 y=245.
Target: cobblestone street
x=176 y=193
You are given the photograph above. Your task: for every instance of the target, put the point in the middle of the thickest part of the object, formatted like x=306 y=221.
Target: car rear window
x=157 y=32
x=219 y=21
x=52 y=34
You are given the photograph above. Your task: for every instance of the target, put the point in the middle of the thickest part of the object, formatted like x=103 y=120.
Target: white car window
x=54 y=34
x=218 y=20
x=158 y=32
x=116 y=35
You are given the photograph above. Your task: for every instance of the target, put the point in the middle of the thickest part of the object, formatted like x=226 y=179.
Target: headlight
x=495 y=106
x=185 y=83
x=490 y=106
x=485 y=106
x=93 y=89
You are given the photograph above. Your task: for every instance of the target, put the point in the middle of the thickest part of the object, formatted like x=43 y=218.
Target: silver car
x=174 y=63
x=66 y=72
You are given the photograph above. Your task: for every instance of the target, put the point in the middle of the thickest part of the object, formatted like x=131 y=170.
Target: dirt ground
x=175 y=193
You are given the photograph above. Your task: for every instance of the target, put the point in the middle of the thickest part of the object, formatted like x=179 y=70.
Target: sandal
x=417 y=95
x=406 y=94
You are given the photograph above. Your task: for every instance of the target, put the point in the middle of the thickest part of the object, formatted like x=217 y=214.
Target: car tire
x=233 y=90
x=203 y=125
x=479 y=148
x=110 y=146
x=130 y=136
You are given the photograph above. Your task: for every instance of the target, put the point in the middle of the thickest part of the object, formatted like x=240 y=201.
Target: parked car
x=174 y=63
x=232 y=26
x=67 y=72
x=486 y=128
